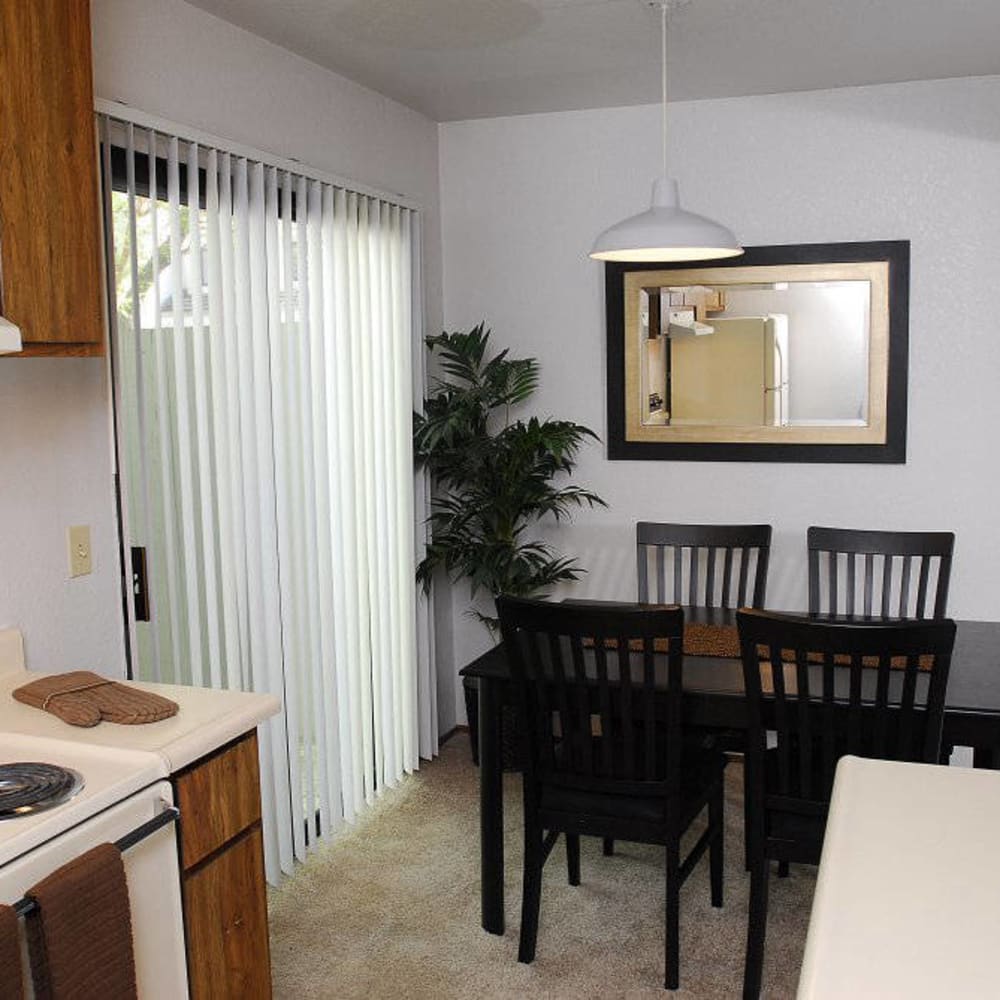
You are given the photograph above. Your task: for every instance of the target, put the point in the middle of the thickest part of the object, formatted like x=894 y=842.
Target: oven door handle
x=170 y=814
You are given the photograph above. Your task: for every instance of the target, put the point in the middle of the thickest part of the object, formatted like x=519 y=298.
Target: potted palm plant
x=495 y=475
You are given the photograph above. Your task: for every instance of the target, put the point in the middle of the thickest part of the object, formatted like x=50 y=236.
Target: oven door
x=153 y=881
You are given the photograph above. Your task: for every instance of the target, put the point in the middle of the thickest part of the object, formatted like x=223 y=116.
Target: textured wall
x=55 y=470
x=524 y=197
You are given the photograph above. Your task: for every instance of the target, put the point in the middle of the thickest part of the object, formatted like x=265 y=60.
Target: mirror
x=784 y=354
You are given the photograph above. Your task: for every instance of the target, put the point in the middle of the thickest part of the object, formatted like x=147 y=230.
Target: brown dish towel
x=11 y=977
x=80 y=937
x=82 y=698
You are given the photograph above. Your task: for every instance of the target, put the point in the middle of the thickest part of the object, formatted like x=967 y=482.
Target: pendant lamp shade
x=665 y=232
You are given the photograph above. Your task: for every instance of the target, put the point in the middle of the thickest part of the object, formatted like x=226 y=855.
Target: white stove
x=121 y=791
x=108 y=777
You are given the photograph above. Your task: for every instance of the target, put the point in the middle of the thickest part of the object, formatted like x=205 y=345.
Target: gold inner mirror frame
x=648 y=420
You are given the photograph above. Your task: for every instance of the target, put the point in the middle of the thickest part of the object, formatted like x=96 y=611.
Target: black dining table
x=714 y=697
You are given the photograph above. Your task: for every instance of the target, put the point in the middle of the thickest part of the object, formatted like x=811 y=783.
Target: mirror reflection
x=757 y=354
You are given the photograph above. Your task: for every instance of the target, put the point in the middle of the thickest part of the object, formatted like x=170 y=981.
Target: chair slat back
x=711 y=565
x=829 y=689
x=599 y=691
x=885 y=573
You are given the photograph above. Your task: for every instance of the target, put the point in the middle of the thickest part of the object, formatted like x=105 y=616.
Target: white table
x=908 y=895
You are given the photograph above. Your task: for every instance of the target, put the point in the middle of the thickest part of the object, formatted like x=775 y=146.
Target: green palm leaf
x=493 y=477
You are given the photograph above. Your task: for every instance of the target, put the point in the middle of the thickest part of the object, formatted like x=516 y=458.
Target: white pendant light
x=665 y=232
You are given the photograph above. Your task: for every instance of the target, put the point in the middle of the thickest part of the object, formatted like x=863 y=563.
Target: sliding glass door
x=263 y=379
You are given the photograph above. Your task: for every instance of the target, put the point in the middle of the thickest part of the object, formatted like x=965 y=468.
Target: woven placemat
x=723 y=641
x=924 y=662
x=700 y=639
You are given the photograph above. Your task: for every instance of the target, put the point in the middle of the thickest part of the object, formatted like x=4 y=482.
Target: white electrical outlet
x=79 y=550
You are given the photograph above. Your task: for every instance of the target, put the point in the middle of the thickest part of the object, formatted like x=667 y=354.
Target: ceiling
x=455 y=59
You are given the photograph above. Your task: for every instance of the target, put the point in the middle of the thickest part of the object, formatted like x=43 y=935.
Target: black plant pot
x=510 y=728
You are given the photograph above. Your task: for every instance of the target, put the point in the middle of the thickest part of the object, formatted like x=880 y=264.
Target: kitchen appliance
x=119 y=792
x=737 y=377
x=30 y=786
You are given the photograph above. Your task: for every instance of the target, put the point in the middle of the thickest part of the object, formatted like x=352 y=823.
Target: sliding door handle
x=140 y=584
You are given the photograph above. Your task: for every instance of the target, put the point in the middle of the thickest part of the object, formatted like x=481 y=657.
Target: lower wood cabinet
x=226 y=917
x=222 y=874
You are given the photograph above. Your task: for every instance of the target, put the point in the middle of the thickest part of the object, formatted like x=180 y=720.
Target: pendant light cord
x=663 y=64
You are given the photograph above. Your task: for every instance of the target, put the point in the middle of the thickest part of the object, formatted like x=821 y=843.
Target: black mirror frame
x=895 y=252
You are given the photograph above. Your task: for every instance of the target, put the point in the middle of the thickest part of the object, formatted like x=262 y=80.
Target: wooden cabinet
x=219 y=799
x=50 y=220
x=222 y=874
x=226 y=921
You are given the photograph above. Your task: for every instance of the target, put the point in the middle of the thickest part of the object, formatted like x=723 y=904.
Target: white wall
x=170 y=59
x=55 y=470
x=523 y=198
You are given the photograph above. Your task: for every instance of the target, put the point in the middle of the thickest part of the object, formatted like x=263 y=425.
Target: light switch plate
x=79 y=550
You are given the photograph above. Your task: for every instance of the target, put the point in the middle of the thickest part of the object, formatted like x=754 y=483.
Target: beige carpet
x=391 y=909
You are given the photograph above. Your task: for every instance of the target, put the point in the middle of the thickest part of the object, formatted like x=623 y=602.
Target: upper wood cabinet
x=50 y=221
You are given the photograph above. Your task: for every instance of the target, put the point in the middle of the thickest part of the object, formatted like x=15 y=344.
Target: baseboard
x=454 y=731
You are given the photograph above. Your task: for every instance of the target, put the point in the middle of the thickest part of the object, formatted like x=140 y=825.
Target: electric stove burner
x=28 y=787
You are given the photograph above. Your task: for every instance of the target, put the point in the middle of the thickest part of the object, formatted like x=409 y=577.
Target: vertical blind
x=266 y=326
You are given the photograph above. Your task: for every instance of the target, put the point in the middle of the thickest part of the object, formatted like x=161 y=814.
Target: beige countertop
x=907 y=901
x=207 y=719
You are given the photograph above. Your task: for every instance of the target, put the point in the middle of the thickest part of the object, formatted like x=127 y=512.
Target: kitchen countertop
x=207 y=719
x=907 y=900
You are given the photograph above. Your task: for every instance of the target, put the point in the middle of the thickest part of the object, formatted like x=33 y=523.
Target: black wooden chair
x=695 y=552
x=869 y=689
x=887 y=573
x=604 y=748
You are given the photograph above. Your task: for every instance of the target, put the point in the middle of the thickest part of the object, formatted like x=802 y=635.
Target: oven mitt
x=83 y=698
